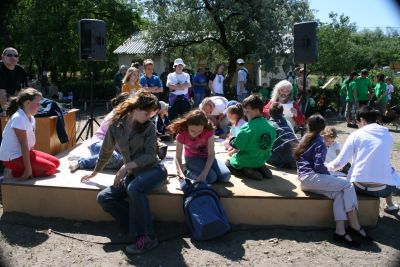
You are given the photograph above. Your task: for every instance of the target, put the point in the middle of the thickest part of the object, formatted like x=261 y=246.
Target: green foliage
x=46 y=32
x=225 y=29
x=342 y=49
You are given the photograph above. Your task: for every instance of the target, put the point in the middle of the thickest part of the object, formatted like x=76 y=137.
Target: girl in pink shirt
x=196 y=134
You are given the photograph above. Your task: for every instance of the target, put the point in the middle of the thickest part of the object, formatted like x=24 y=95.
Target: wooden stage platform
x=278 y=201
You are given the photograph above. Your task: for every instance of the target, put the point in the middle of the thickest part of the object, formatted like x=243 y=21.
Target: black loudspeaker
x=305 y=42
x=92 y=40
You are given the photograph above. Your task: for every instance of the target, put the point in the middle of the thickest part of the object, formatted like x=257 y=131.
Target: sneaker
x=252 y=174
x=74 y=157
x=73 y=165
x=391 y=209
x=142 y=245
x=266 y=173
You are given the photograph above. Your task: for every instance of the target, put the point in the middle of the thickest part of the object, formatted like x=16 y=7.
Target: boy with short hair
x=253 y=143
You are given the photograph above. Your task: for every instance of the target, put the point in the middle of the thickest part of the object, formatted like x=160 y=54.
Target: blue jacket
x=312 y=160
x=49 y=108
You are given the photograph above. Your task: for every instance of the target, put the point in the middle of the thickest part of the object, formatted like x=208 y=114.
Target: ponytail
x=18 y=101
x=316 y=124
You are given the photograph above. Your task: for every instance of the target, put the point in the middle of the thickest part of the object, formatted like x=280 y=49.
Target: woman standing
x=135 y=135
x=216 y=82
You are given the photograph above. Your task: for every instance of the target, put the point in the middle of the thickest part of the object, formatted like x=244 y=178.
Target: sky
x=365 y=13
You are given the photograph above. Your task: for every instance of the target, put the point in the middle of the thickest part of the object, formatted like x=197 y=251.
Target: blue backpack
x=205 y=215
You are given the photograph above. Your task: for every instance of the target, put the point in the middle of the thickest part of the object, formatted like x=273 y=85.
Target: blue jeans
x=217 y=173
x=115 y=162
x=197 y=98
x=386 y=190
x=134 y=212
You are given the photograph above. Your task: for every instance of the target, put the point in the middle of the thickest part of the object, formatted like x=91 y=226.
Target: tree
x=249 y=29
x=343 y=49
x=46 y=32
x=335 y=47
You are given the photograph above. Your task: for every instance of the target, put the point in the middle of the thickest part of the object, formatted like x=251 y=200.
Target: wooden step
x=278 y=201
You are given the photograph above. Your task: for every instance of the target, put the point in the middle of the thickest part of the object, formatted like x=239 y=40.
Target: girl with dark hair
x=196 y=134
x=216 y=82
x=314 y=177
x=381 y=94
x=126 y=200
x=16 y=149
x=77 y=162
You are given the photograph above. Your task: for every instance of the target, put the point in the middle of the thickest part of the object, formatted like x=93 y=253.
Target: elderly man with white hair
x=283 y=94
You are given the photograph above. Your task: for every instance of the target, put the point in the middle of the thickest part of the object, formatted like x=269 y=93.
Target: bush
x=81 y=89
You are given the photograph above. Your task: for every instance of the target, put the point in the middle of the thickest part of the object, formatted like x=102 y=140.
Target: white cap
x=164 y=106
x=179 y=61
x=240 y=61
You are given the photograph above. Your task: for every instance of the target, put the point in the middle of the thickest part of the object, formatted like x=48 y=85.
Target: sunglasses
x=12 y=55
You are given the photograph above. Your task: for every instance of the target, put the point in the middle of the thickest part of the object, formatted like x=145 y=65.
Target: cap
x=163 y=105
x=364 y=71
x=240 y=61
x=179 y=61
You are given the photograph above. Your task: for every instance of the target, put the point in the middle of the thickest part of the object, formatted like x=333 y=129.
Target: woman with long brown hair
x=135 y=136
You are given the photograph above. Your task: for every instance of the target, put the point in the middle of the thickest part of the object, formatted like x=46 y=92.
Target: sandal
x=343 y=240
x=358 y=233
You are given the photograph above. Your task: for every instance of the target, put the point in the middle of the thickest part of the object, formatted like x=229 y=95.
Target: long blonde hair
x=128 y=74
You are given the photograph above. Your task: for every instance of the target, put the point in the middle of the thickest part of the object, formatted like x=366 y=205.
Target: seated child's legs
x=385 y=190
x=220 y=170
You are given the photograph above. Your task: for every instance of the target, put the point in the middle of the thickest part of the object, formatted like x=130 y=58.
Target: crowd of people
x=255 y=133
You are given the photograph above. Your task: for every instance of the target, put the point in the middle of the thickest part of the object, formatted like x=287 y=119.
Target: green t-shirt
x=350 y=89
x=362 y=88
x=380 y=89
x=264 y=93
x=342 y=91
x=253 y=142
x=295 y=88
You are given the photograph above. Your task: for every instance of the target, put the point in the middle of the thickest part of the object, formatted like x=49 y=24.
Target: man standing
x=12 y=75
x=178 y=83
x=242 y=77
x=364 y=86
x=199 y=87
x=150 y=82
x=118 y=78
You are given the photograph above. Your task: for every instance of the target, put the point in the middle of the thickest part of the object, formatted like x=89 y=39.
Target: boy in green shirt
x=264 y=92
x=364 y=86
x=253 y=143
x=381 y=94
x=350 y=87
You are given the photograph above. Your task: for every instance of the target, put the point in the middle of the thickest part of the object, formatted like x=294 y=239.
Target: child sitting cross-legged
x=253 y=143
x=196 y=134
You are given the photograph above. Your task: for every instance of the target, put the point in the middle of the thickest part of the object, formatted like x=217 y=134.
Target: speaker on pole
x=305 y=42
x=92 y=40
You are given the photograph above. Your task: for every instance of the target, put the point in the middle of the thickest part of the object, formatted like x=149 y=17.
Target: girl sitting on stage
x=16 y=150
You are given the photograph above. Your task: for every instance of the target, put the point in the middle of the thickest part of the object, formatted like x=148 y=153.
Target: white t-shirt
x=10 y=147
x=218 y=84
x=369 y=150
x=220 y=103
x=242 y=77
x=174 y=79
x=390 y=91
x=331 y=152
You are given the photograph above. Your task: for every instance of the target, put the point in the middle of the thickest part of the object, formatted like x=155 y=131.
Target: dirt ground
x=33 y=241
